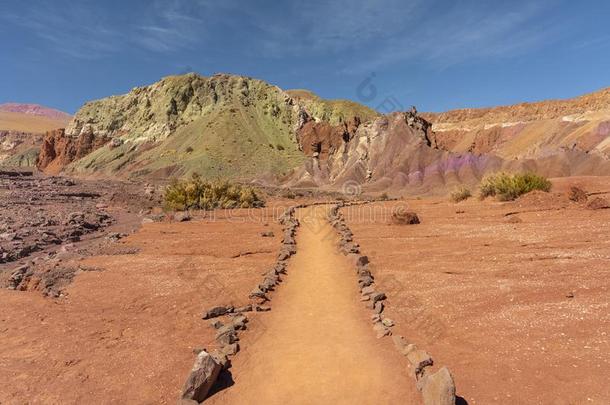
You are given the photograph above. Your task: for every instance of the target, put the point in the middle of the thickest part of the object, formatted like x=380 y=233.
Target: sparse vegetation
x=195 y=193
x=460 y=194
x=507 y=186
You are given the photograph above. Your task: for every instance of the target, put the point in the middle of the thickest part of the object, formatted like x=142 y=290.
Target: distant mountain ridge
x=35 y=109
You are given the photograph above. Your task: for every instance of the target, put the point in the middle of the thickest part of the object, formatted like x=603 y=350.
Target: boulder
x=203 y=375
x=405 y=218
x=439 y=388
x=598 y=203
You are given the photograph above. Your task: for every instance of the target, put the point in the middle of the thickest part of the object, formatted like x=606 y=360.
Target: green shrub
x=196 y=193
x=460 y=194
x=507 y=186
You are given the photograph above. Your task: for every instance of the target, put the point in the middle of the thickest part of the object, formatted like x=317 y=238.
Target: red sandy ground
x=489 y=298
x=485 y=297
x=126 y=334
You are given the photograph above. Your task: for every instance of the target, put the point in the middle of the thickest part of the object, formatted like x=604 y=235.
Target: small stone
x=267 y=234
x=365 y=298
x=388 y=322
x=217 y=311
x=362 y=261
x=419 y=359
x=368 y=290
x=570 y=295
x=231 y=349
x=216 y=324
x=378 y=307
x=400 y=342
x=246 y=308
x=262 y=308
x=378 y=296
x=381 y=330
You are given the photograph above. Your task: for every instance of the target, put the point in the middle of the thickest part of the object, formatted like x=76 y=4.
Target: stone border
x=208 y=366
x=436 y=388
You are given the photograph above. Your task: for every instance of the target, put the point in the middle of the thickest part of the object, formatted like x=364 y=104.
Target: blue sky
x=437 y=55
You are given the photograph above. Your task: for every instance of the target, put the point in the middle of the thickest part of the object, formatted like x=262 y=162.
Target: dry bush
x=196 y=193
x=460 y=194
x=507 y=187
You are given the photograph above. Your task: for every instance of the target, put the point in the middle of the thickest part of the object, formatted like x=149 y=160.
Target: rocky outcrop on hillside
x=400 y=152
x=189 y=123
x=58 y=149
x=19 y=149
x=528 y=130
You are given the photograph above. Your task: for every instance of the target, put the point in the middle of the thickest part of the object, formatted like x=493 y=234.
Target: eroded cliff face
x=59 y=149
x=400 y=152
x=529 y=130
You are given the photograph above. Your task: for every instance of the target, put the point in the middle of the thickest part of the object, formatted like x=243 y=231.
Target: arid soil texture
x=512 y=297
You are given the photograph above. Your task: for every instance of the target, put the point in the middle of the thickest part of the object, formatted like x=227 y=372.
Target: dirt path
x=318 y=346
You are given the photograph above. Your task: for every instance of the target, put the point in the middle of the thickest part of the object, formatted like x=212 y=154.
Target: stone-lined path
x=318 y=346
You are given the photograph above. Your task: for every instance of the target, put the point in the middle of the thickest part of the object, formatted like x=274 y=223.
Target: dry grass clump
x=195 y=193
x=460 y=194
x=508 y=187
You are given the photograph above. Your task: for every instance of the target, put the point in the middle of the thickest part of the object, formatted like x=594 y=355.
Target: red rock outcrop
x=58 y=149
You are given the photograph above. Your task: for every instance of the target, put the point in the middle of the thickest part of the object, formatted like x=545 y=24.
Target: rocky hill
x=21 y=131
x=222 y=126
x=228 y=126
x=528 y=130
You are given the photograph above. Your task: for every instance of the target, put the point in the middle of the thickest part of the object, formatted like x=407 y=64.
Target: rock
x=387 y=321
x=226 y=335
x=239 y=322
x=365 y=281
x=400 y=343
x=378 y=296
x=405 y=218
x=419 y=359
x=184 y=401
x=245 y=308
x=439 y=388
x=182 y=216
x=221 y=359
x=267 y=234
x=381 y=330
x=362 y=261
x=598 y=203
x=203 y=375
x=216 y=324
x=217 y=311
x=230 y=350
x=378 y=307
x=368 y=290
x=257 y=293
x=513 y=219
x=261 y=308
